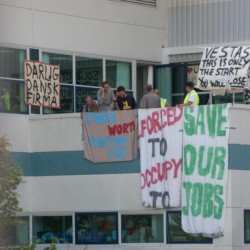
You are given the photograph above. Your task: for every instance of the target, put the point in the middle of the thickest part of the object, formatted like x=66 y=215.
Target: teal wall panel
x=73 y=163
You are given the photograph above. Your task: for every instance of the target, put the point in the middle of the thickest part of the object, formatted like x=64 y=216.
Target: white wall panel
x=70 y=33
x=85 y=193
x=17 y=130
x=15 y=25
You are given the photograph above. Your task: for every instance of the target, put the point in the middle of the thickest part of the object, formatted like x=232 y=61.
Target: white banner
x=160 y=132
x=224 y=68
x=205 y=169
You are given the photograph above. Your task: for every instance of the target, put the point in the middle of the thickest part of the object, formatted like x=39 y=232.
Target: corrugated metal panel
x=197 y=22
x=149 y=3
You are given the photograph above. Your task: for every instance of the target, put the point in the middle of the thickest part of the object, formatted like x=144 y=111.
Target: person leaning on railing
x=192 y=98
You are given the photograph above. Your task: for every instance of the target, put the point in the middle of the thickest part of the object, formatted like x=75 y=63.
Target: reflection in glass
x=66 y=101
x=12 y=96
x=52 y=229
x=175 y=234
x=96 y=228
x=17 y=234
x=12 y=61
x=65 y=62
x=247 y=226
x=119 y=73
x=88 y=71
x=142 y=228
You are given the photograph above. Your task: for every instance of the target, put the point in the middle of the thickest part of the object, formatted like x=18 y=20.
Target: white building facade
x=79 y=204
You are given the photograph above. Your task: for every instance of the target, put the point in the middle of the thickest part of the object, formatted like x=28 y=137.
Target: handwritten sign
x=224 y=68
x=205 y=169
x=110 y=136
x=160 y=156
x=42 y=84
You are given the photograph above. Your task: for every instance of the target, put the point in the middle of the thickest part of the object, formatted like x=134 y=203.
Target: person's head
x=148 y=87
x=105 y=86
x=120 y=91
x=189 y=86
x=89 y=100
x=156 y=91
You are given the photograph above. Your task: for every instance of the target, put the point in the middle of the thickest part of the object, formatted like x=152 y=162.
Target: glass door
x=170 y=79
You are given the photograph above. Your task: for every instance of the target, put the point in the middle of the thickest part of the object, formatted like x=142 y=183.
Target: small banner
x=205 y=169
x=42 y=84
x=224 y=68
x=160 y=132
x=110 y=136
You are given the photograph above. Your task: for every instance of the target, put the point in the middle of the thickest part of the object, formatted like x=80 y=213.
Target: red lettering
x=161 y=172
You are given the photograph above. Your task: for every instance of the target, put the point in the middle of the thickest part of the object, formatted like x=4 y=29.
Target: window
x=119 y=73
x=52 y=229
x=12 y=96
x=11 y=61
x=17 y=234
x=175 y=234
x=247 y=226
x=88 y=71
x=142 y=228
x=96 y=228
x=65 y=62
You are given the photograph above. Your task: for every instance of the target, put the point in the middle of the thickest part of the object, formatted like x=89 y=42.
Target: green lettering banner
x=205 y=169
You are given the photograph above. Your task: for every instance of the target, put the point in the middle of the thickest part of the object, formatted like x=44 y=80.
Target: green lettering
x=197 y=199
x=187 y=186
x=221 y=120
x=208 y=202
x=189 y=124
x=219 y=160
x=211 y=119
x=200 y=121
x=205 y=171
x=189 y=155
x=218 y=191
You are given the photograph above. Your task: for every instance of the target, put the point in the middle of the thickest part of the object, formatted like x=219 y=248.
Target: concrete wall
x=97 y=27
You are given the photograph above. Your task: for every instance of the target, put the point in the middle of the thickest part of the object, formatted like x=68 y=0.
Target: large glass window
x=66 y=101
x=82 y=93
x=142 y=228
x=96 y=228
x=88 y=71
x=12 y=96
x=65 y=62
x=175 y=234
x=247 y=226
x=11 y=62
x=17 y=234
x=52 y=229
x=119 y=73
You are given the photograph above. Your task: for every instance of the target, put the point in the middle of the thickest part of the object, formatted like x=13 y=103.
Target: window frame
x=97 y=214
x=168 y=241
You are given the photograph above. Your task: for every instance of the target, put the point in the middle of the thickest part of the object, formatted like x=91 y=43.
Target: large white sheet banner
x=205 y=169
x=160 y=132
x=224 y=68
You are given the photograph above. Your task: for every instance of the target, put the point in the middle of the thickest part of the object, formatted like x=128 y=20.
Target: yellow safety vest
x=163 y=102
x=196 y=100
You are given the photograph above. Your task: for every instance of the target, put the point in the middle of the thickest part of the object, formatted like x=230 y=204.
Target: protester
x=164 y=102
x=105 y=97
x=123 y=100
x=150 y=99
x=192 y=98
x=91 y=105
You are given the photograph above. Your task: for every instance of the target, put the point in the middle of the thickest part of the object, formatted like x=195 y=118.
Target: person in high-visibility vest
x=164 y=102
x=192 y=98
x=5 y=100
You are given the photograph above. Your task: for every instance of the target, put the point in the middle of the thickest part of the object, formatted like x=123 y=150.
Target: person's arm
x=112 y=98
x=100 y=96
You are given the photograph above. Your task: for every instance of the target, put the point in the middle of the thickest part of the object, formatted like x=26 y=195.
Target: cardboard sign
x=42 y=84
